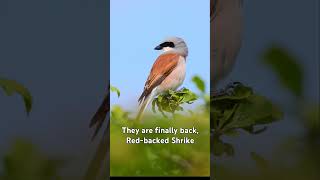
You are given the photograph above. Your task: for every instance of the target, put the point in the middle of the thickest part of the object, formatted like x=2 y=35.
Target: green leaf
x=116 y=90
x=10 y=87
x=286 y=68
x=256 y=111
x=220 y=148
x=227 y=116
x=242 y=109
x=199 y=83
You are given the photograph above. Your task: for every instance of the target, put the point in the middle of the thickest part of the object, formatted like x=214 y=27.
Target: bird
x=226 y=23
x=103 y=149
x=167 y=73
x=100 y=116
x=226 y=29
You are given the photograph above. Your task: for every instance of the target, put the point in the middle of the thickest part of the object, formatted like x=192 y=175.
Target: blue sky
x=138 y=26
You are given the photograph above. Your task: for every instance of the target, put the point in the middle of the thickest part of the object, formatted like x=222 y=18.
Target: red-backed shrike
x=167 y=73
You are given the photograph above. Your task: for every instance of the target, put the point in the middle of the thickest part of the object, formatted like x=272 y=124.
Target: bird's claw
x=231 y=87
x=228 y=90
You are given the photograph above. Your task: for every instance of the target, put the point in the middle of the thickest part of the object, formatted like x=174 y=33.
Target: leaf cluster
x=241 y=110
x=172 y=101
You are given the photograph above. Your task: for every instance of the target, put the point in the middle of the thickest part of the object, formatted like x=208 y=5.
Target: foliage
x=297 y=158
x=162 y=159
x=25 y=162
x=159 y=159
x=286 y=67
x=199 y=83
x=172 y=101
x=116 y=90
x=241 y=110
x=10 y=87
x=289 y=71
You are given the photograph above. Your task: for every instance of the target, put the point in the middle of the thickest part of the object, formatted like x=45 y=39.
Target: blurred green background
x=163 y=159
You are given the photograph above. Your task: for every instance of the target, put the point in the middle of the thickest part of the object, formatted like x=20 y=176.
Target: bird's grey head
x=173 y=45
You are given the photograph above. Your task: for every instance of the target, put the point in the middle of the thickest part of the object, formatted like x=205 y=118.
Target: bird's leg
x=180 y=89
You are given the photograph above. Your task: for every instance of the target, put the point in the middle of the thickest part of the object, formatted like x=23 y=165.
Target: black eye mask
x=167 y=44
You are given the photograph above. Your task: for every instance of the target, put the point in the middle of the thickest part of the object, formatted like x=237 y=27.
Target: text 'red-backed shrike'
x=167 y=73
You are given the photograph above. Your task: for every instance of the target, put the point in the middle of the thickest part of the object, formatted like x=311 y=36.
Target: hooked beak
x=158 y=47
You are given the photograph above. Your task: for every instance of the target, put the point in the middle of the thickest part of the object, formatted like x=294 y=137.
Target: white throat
x=166 y=49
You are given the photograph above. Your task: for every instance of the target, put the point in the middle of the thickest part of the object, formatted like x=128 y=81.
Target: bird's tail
x=100 y=116
x=143 y=107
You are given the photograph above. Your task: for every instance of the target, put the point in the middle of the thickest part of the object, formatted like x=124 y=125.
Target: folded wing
x=161 y=68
